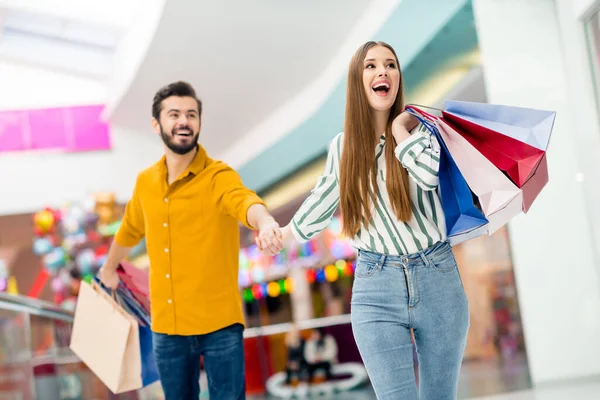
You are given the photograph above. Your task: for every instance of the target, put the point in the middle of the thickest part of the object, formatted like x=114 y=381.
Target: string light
x=331 y=273
x=273 y=289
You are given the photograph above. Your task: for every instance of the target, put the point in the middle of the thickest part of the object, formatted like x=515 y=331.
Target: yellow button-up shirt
x=192 y=236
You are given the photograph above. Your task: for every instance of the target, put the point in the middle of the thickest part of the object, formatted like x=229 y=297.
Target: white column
x=302 y=308
x=523 y=51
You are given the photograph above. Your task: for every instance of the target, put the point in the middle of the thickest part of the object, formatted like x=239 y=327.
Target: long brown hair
x=358 y=168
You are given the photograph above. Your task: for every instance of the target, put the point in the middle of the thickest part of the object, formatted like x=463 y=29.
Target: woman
x=384 y=179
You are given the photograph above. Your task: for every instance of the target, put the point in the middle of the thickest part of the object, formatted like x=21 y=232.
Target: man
x=188 y=207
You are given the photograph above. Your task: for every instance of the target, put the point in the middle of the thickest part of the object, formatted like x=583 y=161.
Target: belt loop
x=426 y=260
x=381 y=261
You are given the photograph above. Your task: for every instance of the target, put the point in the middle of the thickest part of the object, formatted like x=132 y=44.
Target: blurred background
x=77 y=79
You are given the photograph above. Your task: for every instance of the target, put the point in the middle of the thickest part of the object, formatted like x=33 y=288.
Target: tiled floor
x=489 y=380
x=589 y=390
x=481 y=378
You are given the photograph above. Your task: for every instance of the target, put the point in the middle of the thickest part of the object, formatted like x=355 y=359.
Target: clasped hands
x=271 y=237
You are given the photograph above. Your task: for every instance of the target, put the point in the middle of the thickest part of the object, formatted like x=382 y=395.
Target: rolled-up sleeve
x=132 y=228
x=231 y=196
x=421 y=160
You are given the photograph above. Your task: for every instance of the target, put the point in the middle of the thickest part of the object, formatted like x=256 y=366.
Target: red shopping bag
x=524 y=164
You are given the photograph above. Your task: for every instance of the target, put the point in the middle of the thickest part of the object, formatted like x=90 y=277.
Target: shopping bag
x=500 y=199
x=514 y=139
x=107 y=339
x=464 y=219
x=149 y=367
x=527 y=125
x=130 y=304
x=136 y=280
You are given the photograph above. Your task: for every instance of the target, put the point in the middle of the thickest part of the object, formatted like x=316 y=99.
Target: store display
x=73 y=241
x=326 y=257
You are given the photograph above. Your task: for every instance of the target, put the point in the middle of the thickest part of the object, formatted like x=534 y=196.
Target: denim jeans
x=422 y=291
x=178 y=361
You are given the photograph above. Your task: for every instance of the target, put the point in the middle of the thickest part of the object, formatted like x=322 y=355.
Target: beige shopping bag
x=501 y=200
x=106 y=339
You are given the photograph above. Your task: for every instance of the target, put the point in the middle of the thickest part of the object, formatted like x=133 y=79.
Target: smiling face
x=381 y=78
x=179 y=124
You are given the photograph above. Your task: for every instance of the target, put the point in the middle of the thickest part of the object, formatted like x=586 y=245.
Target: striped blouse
x=419 y=154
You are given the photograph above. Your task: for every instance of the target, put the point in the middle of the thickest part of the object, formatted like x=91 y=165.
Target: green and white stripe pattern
x=419 y=154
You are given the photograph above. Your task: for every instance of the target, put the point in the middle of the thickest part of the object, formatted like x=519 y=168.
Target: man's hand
x=109 y=277
x=269 y=238
x=402 y=125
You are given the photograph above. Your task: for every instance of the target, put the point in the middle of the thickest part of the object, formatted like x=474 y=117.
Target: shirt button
x=168 y=276
x=169 y=301
x=165 y=224
x=166 y=250
x=166 y=200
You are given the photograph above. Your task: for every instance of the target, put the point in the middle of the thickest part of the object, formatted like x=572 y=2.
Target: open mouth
x=381 y=88
x=183 y=133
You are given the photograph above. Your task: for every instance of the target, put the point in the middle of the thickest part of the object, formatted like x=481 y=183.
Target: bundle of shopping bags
x=492 y=163
x=111 y=331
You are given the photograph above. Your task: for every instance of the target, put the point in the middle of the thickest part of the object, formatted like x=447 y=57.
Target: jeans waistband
x=422 y=256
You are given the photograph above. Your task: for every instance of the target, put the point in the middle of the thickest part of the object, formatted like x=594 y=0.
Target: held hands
x=270 y=238
x=402 y=125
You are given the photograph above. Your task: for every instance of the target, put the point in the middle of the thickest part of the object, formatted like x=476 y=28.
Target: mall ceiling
x=245 y=58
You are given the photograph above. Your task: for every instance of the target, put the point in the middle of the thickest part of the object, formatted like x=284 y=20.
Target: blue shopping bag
x=149 y=368
x=464 y=219
x=131 y=305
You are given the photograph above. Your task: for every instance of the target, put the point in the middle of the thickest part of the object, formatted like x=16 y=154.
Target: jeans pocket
x=445 y=264
x=364 y=269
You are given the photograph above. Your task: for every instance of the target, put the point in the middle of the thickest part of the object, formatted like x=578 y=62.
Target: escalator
x=35 y=359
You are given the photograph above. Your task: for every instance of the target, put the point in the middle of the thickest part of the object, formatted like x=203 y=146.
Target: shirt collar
x=196 y=166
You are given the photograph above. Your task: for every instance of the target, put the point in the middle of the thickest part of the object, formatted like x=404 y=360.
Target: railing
x=35 y=359
x=36 y=362
x=324 y=322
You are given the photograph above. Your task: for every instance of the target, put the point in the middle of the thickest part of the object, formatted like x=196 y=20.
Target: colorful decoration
x=330 y=273
x=45 y=221
x=3 y=276
x=273 y=289
x=105 y=206
x=73 y=242
x=255 y=267
x=42 y=246
x=288 y=285
x=39 y=283
x=12 y=287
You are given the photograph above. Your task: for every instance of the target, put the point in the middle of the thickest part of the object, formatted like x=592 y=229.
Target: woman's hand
x=282 y=238
x=402 y=126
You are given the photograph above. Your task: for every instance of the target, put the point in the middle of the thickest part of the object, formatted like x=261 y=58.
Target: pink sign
x=68 y=129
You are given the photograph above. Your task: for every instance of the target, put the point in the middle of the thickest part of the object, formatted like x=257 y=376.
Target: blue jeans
x=178 y=361
x=422 y=291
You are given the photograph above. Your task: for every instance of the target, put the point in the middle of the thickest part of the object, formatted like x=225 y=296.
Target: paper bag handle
x=99 y=288
x=418 y=108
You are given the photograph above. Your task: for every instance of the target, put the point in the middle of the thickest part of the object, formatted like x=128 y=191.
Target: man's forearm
x=256 y=214
x=116 y=254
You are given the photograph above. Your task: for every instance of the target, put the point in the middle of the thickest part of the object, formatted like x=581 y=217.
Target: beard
x=181 y=149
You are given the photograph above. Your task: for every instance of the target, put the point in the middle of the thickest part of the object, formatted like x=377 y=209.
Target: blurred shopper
x=320 y=353
x=295 y=356
x=384 y=178
x=187 y=206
